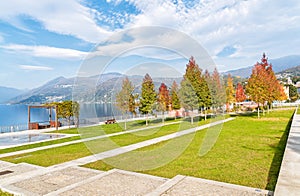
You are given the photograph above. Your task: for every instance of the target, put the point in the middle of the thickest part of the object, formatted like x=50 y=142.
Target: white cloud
x=46 y=51
x=35 y=68
x=256 y=26
x=67 y=17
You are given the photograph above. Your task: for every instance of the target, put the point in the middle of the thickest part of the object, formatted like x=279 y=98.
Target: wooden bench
x=110 y=121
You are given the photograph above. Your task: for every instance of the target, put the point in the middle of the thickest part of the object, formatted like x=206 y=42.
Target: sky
x=42 y=40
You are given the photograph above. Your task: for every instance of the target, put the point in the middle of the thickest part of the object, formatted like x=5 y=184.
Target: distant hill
x=278 y=64
x=294 y=71
x=9 y=93
x=60 y=89
x=99 y=88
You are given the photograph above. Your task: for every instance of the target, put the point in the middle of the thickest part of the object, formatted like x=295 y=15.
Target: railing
x=13 y=128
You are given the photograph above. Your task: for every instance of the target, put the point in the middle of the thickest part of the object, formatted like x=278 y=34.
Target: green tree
x=188 y=97
x=125 y=99
x=175 y=102
x=217 y=89
x=229 y=92
x=148 y=97
x=68 y=110
x=293 y=93
x=163 y=99
x=194 y=75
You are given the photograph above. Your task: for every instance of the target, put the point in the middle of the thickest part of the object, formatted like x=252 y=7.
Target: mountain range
x=102 y=88
x=98 y=88
x=8 y=93
x=279 y=64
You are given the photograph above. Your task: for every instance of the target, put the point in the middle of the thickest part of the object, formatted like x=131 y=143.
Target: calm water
x=26 y=138
x=17 y=115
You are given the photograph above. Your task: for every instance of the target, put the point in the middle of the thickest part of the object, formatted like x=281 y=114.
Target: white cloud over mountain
x=234 y=32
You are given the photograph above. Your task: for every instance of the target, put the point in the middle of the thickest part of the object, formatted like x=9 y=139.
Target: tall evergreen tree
x=293 y=93
x=148 y=97
x=125 y=99
x=217 y=89
x=188 y=97
x=175 y=102
x=197 y=80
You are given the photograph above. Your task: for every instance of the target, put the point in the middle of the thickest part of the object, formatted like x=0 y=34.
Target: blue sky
x=41 y=40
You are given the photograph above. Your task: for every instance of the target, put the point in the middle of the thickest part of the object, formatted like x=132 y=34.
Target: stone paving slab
x=197 y=186
x=46 y=183
x=17 y=169
x=4 y=164
x=118 y=182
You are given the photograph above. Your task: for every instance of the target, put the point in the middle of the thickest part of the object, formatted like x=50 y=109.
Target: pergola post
x=56 y=117
x=29 y=117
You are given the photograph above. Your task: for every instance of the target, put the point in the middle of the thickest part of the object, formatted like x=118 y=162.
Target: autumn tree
x=125 y=99
x=148 y=97
x=163 y=99
x=262 y=86
x=229 y=92
x=240 y=93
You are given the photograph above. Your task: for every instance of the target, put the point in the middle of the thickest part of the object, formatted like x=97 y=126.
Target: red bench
x=110 y=121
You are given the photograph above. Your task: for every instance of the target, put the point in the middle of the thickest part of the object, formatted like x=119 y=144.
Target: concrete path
x=80 y=140
x=288 y=182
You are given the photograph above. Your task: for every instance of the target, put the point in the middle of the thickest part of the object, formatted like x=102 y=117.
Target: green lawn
x=86 y=132
x=74 y=151
x=5 y=193
x=248 y=152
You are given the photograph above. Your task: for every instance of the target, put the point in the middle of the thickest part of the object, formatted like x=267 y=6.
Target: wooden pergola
x=35 y=125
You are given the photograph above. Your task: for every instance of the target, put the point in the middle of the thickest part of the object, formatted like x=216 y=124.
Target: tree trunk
x=125 y=125
x=258 y=112
x=69 y=122
x=163 y=117
x=147 y=119
x=192 y=119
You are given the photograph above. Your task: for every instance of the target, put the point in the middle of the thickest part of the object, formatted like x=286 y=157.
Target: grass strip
x=74 y=151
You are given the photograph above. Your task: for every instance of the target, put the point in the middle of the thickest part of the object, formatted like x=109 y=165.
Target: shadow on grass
x=277 y=159
x=151 y=122
x=249 y=114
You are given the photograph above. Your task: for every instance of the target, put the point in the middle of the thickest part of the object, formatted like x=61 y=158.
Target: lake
x=17 y=115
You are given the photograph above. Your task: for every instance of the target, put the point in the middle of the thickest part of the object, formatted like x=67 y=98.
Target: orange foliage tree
x=240 y=93
x=163 y=99
x=262 y=86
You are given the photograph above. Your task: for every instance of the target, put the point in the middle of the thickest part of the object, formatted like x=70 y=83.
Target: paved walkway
x=80 y=140
x=70 y=179
x=288 y=182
